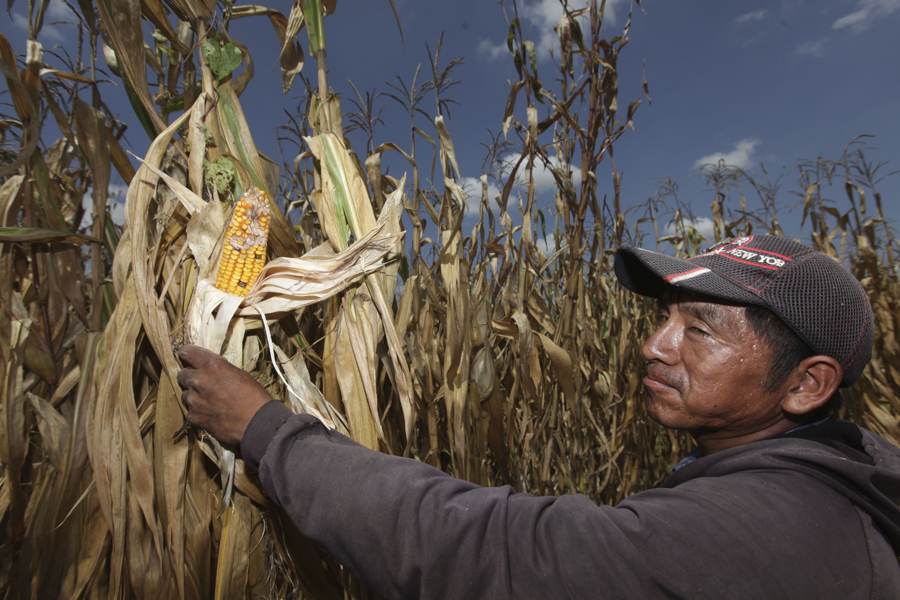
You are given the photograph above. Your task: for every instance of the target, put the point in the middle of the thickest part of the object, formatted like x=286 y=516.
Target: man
x=780 y=500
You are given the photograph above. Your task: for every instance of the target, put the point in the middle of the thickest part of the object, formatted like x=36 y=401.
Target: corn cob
x=244 y=247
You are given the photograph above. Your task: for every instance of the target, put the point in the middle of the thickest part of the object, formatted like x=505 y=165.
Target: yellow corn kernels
x=244 y=247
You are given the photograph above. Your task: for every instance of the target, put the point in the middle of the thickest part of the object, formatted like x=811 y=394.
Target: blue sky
x=751 y=82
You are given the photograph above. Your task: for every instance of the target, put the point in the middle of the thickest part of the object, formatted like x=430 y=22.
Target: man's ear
x=811 y=384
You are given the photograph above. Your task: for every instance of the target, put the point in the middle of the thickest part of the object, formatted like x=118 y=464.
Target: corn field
x=474 y=349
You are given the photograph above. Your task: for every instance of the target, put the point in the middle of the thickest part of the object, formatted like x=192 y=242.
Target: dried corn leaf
x=196 y=141
x=232 y=563
x=23 y=101
x=345 y=205
x=121 y=23
x=12 y=409
x=54 y=429
x=305 y=397
x=113 y=433
x=287 y=284
x=290 y=57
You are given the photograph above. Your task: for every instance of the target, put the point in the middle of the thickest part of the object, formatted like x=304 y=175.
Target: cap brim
x=651 y=273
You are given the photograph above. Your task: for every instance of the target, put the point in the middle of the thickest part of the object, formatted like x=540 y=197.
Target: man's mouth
x=655 y=385
x=657 y=382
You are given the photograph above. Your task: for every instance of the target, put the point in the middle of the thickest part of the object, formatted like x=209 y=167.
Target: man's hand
x=220 y=398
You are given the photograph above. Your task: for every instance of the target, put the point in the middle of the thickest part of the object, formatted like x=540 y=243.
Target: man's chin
x=662 y=411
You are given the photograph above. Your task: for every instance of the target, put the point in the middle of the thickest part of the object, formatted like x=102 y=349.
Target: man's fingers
x=194 y=419
x=186 y=378
x=197 y=418
x=196 y=356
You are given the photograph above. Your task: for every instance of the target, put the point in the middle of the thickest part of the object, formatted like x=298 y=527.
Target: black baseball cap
x=813 y=294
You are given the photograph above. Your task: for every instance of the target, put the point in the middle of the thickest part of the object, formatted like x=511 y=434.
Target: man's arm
x=411 y=531
x=407 y=529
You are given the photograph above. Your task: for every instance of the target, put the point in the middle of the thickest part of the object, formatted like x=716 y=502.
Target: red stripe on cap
x=676 y=277
x=747 y=262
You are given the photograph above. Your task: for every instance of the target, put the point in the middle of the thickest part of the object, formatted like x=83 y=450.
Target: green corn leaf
x=222 y=59
x=343 y=205
x=235 y=125
x=312 y=12
x=36 y=235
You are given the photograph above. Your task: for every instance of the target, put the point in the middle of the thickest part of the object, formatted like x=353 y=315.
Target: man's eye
x=699 y=330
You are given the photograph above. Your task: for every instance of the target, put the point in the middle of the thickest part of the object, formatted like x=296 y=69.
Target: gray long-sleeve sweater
x=808 y=516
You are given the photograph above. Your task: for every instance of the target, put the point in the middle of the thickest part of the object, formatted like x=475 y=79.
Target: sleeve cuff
x=260 y=431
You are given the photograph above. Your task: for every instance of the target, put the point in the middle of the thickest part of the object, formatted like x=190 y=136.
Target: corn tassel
x=244 y=248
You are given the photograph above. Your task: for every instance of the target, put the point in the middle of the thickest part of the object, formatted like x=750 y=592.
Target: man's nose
x=662 y=345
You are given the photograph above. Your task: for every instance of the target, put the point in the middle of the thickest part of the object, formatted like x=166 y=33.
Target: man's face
x=707 y=369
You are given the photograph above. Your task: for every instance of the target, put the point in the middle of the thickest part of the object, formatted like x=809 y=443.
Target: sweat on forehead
x=711 y=310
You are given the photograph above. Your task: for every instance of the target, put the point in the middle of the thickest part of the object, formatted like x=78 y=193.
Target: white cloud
x=57 y=12
x=115 y=201
x=752 y=16
x=547 y=245
x=814 y=48
x=544 y=15
x=491 y=50
x=866 y=13
x=543 y=177
x=20 y=21
x=544 y=182
x=117 y=213
x=472 y=188
x=741 y=156
x=703 y=225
